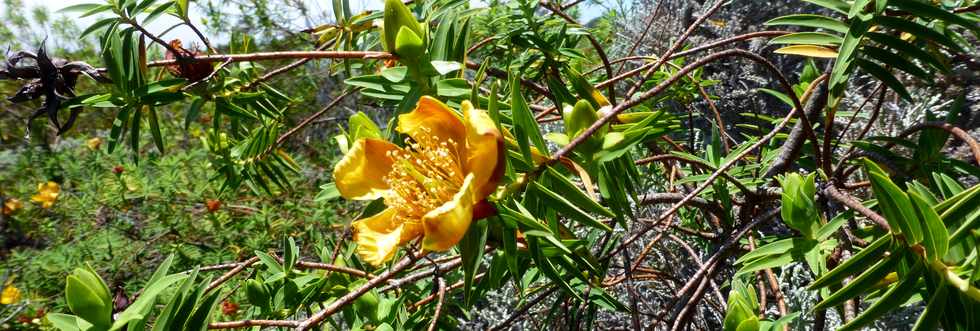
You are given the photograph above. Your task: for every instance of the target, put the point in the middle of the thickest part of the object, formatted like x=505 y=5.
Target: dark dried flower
x=52 y=78
x=185 y=68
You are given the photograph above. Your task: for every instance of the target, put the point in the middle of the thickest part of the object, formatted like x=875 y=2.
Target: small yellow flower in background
x=11 y=205
x=47 y=193
x=430 y=187
x=94 y=143
x=10 y=295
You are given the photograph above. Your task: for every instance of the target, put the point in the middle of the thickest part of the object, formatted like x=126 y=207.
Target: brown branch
x=267 y=76
x=231 y=273
x=442 y=297
x=523 y=310
x=336 y=305
x=503 y=75
x=283 y=55
x=849 y=201
x=595 y=45
x=676 y=46
x=705 y=47
x=311 y=118
x=251 y=323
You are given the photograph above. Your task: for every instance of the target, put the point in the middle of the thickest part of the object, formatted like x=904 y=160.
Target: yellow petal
x=380 y=235
x=47 y=193
x=360 y=174
x=10 y=295
x=432 y=117
x=484 y=150
x=446 y=225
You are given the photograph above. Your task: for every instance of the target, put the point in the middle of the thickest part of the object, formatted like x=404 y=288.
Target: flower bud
x=579 y=118
x=396 y=17
x=408 y=44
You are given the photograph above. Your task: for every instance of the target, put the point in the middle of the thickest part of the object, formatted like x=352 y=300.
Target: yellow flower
x=10 y=295
x=94 y=143
x=430 y=186
x=11 y=205
x=47 y=193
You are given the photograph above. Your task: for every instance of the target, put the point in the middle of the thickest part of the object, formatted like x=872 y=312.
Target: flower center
x=425 y=174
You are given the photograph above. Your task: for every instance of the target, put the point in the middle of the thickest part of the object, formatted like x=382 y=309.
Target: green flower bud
x=408 y=45
x=256 y=293
x=799 y=210
x=361 y=126
x=396 y=17
x=88 y=297
x=579 y=118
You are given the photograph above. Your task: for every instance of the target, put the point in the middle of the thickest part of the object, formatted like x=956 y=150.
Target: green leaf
x=774 y=248
x=808 y=38
x=857 y=263
x=142 y=305
x=779 y=95
x=885 y=77
x=570 y=191
x=922 y=9
x=935 y=309
x=894 y=204
x=862 y=283
x=907 y=49
x=525 y=127
x=155 y=129
x=269 y=262
x=810 y=20
x=453 y=87
x=893 y=298
x=82 y=7
x=471 y=254
x=766 y=263
x=394 y=74
x=895 y=60
x=83 y=300
x=918 y=30
x=65 y=322
x=567 y=208
x=831 y=227
x=845 y=54
x=835 y=5
x=935 y=235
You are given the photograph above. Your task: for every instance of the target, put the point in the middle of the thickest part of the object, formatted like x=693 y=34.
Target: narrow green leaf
x=935 y=309
x=918 y=30
x=862 y=283
x=907 y=49
x=570 y=191
x=894 y=204
x=525 y=127
x=568 y=209
x=922 y=9
x=857 y=263
x=155 y=129
x=471 y=254
x=893 y=298
x=810 y=20
x=935 y=235
x=774 y=248
x=896 y=60
x=835 y=5
x=885 y=77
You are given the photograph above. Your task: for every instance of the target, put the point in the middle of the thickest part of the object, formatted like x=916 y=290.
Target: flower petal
x=432 y=117
x=484 y=150
x=380 y=235
x=360 y=174
x=446 y=225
